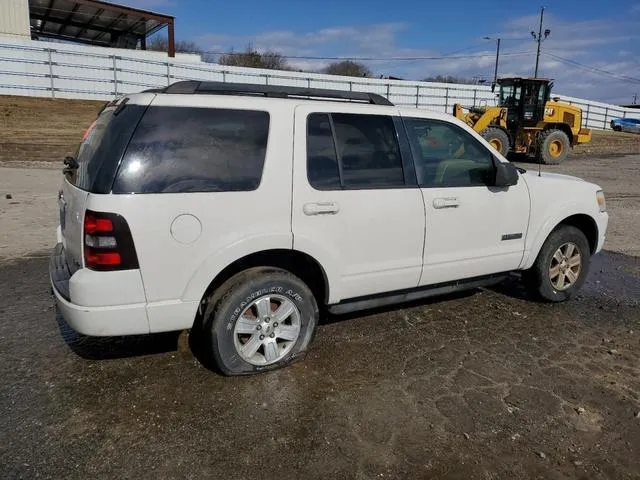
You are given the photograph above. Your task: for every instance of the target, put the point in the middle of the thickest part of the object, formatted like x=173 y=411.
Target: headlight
x=601 y=201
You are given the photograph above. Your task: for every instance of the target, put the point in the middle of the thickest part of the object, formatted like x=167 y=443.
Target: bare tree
x=448 y=79
x=348 y=68
x=253 y=59
x=161 y=44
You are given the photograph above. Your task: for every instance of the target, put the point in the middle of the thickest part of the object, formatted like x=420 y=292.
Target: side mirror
x=506 y=174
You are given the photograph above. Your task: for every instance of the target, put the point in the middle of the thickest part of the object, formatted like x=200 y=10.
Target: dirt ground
x=605 y=143
x=41 y=129
x=487 y=384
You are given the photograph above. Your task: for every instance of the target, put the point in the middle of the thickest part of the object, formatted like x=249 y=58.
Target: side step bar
x=403 y=296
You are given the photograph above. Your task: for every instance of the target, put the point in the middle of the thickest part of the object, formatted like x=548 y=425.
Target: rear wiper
x=71 y=165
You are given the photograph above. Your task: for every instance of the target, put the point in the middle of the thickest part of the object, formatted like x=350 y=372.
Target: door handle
x=446 y=202
x=321 y=208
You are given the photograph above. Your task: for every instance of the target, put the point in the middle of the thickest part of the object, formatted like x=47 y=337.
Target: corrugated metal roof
x=94 y=22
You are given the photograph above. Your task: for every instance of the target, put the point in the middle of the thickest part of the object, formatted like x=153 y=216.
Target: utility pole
x=635 y=99
x=495 y=71
x=539 y=38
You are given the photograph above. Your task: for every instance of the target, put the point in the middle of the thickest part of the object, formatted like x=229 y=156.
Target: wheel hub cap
x=555 y=148
x=566 y=265
x=267 y=329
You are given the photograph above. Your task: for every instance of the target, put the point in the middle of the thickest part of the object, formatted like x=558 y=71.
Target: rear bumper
x=100 y=321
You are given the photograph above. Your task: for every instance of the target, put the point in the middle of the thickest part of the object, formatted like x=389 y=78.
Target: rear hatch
x=94 y=167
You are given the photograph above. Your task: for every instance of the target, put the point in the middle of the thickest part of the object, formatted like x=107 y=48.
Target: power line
x=377 y=59
x=592 y=68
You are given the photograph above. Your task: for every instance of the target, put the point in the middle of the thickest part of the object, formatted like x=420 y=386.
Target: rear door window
x=353 y=151
x=190 y=149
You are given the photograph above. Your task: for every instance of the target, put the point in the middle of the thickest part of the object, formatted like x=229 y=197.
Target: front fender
x=560 y=213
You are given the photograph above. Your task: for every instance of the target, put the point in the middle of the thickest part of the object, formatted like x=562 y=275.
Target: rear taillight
x=107 y=242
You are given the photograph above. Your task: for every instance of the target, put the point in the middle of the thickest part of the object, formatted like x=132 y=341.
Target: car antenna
x=539 y=164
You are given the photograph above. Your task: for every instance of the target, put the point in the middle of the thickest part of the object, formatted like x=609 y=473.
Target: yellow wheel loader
x=526 y=121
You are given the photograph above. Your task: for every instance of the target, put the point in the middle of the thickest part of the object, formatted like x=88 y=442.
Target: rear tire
x=561 y=267
x=259 y=320
x=497 y=138
x=553 y=147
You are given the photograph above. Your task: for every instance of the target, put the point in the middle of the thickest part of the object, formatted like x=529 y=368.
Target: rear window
x=102 y=146
x=185 y=149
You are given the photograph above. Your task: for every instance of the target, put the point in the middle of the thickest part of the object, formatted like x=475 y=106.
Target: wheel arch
x=563 y=127
x=587 y=225
x=301 y=264
x=582 y=221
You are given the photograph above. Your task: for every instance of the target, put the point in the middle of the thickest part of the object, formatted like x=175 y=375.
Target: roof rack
x=278 y=91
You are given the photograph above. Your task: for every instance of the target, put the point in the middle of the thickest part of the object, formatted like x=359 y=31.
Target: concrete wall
x=14 y=19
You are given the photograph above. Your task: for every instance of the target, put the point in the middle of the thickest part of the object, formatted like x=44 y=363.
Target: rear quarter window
x=189 y=149
x=102 y=147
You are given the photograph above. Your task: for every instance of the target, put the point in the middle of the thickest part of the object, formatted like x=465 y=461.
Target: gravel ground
x=483 y=385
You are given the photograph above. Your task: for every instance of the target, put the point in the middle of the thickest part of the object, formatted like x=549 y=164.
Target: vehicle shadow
x=514 y=288
x=105 y=348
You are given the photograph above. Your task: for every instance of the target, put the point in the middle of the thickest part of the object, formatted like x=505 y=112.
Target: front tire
x=553 y=147
x=497 y=138
x=261 y=319
x=561 y=267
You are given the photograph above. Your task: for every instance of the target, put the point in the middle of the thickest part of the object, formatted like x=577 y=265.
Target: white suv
x=237 y=211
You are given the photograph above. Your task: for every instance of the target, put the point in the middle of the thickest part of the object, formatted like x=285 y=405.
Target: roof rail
x=278 y=91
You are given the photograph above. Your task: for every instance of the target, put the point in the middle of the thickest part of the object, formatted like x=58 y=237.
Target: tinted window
x=183 y=149
x=447 y=156
x=102 y=147
x=366 y=155
x=322 y=163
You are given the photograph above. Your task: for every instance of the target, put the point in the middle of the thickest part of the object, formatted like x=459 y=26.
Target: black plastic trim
x=59 y=271
x=403 y=296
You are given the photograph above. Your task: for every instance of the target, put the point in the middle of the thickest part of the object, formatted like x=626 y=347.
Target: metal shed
x=95 y=22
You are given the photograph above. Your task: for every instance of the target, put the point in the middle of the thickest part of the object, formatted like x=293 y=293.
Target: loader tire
x=553 y=147
x=497 y=138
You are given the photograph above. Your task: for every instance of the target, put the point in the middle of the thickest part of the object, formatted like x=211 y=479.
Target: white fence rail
x=82 y=72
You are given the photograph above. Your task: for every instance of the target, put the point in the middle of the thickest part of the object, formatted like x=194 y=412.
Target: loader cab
x=524 y=99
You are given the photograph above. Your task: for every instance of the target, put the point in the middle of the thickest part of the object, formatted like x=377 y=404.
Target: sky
x=593 y=50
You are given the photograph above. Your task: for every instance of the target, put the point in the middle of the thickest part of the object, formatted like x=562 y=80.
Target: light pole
x=495 y=72
x=539 y=39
